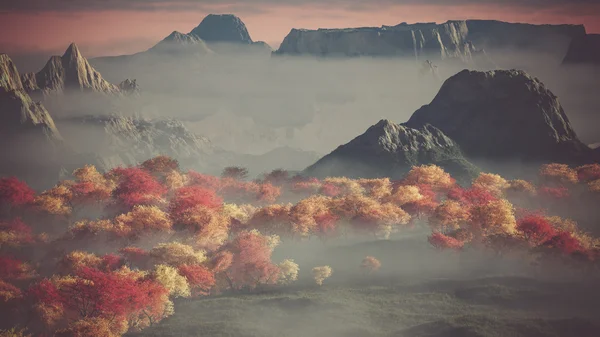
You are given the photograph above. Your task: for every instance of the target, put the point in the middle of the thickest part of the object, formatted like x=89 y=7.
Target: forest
x=107 y=254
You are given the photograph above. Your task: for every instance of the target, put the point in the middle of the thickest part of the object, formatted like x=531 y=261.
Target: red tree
x=564 y=242
x=14 y=192
x=188 y=197
x=251 y=264
x=555 y=192
x=201 y=279
x=535 y=229
x=441 y=241
x=136 y=187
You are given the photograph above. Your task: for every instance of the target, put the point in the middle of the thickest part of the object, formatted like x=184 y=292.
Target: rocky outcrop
x=450 y=40
x=390 y=150
x=501 y=115
x=121 y=140
x=129 y=87
x=32 y=141
x=584 y=50
x=70 y=72
x=222 y=28
x=181 y=44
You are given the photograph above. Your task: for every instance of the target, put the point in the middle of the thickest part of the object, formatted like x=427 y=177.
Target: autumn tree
x=143 y=220
x=209 y=226
x=189 y=197
x=277 y=177
x=170 y=278
x=200 y=278
x=15 y=233
x=558 y=174
x=176 y=254
x=235 y=172
x=431 y=175
x=321 y=273
x=370 y=265
x=160 y=165
x=288 y=271
x=136 y=187
x=535 y=229
x=251 y=264
x=14 y=193
x=448 y=216
x=492 y=183
x=588 y=173
x=494 y=217
x=441 y=241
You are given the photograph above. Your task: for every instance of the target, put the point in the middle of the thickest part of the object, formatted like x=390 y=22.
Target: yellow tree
x=492 y=183
x=431 y=175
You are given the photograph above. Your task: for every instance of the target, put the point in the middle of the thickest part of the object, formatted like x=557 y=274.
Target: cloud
x=253 y=5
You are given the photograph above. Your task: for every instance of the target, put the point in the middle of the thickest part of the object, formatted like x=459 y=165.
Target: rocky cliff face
x=420 y=41
x=450 y=40
x=32 y=142
x=502 y=115
x=584 y=50
x=222 y=28
x=390 y=150
x=492 y=35
x=70 y=72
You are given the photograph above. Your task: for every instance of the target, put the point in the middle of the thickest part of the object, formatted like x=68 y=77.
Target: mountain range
x=476 y=117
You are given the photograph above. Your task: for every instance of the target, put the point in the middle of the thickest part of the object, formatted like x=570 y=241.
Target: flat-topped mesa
x=503 y=115
x=387 y=149
x=493 y=34
x=584 y=50
x=452 y=39
x=70 y=72
x=432 y=41
x=222 y=28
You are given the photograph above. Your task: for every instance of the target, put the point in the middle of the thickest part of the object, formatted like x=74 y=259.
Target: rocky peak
x=222 y=28
x=178 y=42
x=500 y=115
x=9 y=76
x=387 y=149
x=72 y=71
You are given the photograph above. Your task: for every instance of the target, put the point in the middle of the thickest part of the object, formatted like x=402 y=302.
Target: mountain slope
x=502 y=115
x=33 y=144
x=390 y=150
x=222 y=28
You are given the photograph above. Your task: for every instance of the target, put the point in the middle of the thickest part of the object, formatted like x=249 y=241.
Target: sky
x=116 y=27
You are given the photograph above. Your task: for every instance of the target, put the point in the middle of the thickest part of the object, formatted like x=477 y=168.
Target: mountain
x=390 y=150
x=70 y=72
x=502 y=115
x=178 y=43
x=33 y=143
x=421 y=41
x=450 y=40
x=222 y=28
x=584 y=50
x=493 y=35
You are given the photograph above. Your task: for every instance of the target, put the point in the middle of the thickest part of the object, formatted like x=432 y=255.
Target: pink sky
x=125 y=31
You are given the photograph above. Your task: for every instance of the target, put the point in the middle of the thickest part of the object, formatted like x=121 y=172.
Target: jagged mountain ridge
x=387 y=149
x=504 y=114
